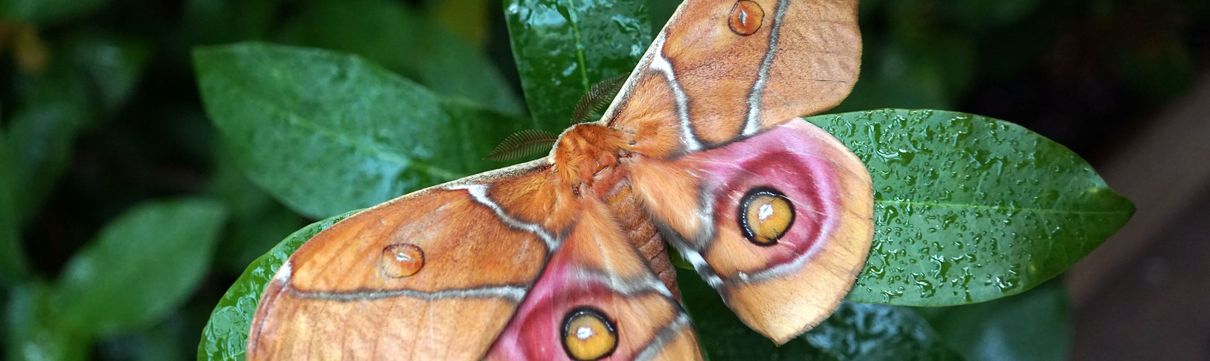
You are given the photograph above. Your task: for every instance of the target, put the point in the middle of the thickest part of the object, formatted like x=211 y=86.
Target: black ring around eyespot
x=742 y=213
x=595 y=313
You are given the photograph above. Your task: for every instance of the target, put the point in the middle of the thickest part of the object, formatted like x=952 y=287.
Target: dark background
x=1122 y=83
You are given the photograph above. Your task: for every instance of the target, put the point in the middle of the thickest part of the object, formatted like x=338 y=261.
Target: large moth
x=564 y=257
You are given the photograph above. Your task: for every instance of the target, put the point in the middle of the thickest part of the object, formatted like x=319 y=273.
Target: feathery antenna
x=597 y=99
x=522 y=144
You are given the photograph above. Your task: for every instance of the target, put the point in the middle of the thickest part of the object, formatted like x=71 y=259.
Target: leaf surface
x=326 y=132
x=969 y=208
x=142 y=266
x=563 y=47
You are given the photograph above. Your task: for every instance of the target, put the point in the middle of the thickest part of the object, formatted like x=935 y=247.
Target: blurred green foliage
x=124 y=218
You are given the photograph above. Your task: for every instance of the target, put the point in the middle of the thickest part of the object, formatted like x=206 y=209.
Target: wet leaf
x=226 y=333
x=413 y=45
x=326 y=132
x=143 y=265
x=970 y=209
x=563 y=47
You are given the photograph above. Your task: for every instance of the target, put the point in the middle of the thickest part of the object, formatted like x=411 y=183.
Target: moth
x=565 y=257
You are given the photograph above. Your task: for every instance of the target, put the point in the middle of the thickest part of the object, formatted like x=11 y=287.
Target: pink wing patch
x=596 y=271
x=782 y=160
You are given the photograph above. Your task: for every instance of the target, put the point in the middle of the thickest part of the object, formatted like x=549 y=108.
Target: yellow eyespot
x=746 y=17
x=765 y=215
x=401 y=260
x=588 y=334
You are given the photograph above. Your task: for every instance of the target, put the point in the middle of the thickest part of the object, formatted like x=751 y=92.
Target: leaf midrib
x=575 y=30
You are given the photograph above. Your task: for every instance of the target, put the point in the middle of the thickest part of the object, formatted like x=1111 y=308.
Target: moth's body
x=565 y=257
x=593 y=161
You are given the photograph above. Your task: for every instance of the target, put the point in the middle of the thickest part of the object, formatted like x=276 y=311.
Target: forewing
x=475 y=248
x=723 y=69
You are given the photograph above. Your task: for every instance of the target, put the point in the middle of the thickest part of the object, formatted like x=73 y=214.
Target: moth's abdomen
x=628 y=211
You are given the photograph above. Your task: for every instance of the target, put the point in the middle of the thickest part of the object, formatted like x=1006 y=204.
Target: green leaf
x=563 y=47
x=325 y=132
x=414 y=46
x=113 y=63
x=141 y=267
x=226 y=333
x=1035 y=325
x=855 y=332
x=968 y=208
x=35 y=330
x=858 y=331
x=47 y=11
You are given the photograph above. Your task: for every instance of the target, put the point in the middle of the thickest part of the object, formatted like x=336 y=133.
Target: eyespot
x=765 y=215
x=588 y=334
x=746 y=17
x=401 y=260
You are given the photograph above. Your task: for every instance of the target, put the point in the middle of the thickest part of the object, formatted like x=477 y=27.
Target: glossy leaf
x=415 y=46
x=563 y=47
x=35 y=330
x=141 y=267
x=969 y=208
x=326 y=132
x=226 y=334
x=1035 y=325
